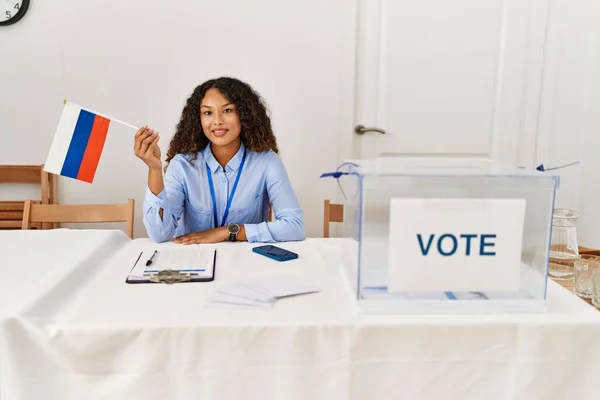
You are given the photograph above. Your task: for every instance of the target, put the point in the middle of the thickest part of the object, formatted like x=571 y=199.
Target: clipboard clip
x=169 y=276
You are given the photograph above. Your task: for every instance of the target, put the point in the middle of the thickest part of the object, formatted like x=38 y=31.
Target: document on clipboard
x=196 y=264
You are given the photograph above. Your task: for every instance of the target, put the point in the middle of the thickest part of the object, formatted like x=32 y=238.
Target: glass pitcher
x=564 y=250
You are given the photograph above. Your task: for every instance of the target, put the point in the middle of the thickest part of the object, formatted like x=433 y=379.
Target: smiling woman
x=223 y=172
x=12 y=11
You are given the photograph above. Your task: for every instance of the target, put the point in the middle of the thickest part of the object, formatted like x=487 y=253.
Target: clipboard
x=171 y=275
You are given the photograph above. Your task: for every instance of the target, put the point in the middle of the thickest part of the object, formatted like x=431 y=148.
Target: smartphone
x=274 y=252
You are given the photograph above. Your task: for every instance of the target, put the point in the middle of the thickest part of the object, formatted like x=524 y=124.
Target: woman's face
x=220 y=120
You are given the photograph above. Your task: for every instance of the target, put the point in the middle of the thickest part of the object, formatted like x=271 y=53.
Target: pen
x=151 y=258
x=150 y=271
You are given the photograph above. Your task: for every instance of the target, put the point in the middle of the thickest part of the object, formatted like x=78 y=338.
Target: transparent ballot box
x=445 y=236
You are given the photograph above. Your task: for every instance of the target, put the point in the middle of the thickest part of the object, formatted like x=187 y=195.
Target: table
x=37 y=259
x=93 y=336
x=568 y=284
x=36 y=263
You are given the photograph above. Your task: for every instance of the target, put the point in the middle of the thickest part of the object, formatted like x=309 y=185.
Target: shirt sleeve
x=289 y=222
x=171 y=200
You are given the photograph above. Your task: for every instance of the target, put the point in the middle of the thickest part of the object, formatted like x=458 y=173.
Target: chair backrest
x=331 y=213
x=11 y=212
x=80 y=213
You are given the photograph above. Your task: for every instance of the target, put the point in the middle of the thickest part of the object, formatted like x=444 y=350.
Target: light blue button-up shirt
x=263 y=180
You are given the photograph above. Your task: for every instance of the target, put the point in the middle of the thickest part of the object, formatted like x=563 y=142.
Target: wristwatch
x=233 y=230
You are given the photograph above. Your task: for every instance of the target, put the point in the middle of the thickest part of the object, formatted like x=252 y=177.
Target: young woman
x=223 y=172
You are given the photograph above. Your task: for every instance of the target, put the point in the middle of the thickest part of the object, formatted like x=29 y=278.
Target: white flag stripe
x=62 y=139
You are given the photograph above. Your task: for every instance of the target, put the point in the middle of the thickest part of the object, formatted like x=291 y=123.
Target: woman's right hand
x=146 y=147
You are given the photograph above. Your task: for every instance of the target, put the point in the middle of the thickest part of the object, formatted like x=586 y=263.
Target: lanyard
x=212 y=191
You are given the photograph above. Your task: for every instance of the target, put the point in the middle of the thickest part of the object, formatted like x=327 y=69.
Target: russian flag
x=78 y=144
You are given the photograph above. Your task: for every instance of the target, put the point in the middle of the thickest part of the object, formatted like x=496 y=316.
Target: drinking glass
x=564 y=250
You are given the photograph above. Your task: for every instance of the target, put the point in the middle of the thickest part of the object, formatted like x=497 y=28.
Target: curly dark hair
x=256 y=133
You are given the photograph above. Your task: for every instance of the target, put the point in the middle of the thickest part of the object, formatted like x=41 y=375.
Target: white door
x=454 y=78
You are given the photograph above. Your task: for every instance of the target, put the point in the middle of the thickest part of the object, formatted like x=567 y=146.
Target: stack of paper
x=260 y=293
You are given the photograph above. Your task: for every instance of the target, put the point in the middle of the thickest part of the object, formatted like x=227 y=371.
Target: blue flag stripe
x=79 y=142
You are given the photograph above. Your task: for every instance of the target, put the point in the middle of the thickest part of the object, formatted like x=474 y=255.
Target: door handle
x=361 y=129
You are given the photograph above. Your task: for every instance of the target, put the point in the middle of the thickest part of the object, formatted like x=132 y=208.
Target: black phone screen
x=277 y=251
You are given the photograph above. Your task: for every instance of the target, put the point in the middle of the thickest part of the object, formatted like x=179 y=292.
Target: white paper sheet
x=259 y=292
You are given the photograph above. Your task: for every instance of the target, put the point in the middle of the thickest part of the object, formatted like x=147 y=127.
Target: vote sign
x=455 y=244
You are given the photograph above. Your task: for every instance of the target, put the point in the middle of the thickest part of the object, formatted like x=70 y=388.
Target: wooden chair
x=11 y=212
x=80 y=213
x=331 y=213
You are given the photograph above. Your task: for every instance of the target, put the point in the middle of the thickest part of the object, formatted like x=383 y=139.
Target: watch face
x=233 y=228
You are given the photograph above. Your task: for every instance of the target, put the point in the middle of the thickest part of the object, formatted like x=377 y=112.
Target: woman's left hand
x=211 y=236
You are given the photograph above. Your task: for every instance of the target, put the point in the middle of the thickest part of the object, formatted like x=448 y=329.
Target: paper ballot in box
x=445 y=236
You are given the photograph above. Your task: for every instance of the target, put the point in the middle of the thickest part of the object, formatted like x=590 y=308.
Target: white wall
x=569 y=124
x=138 y=60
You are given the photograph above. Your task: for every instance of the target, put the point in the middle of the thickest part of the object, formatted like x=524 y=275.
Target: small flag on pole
x=78 y=143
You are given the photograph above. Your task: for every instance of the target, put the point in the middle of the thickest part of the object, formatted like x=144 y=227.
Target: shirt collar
x=232 y=165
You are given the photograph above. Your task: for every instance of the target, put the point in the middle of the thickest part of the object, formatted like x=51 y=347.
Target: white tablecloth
x=34 y=261
x=92 y=336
